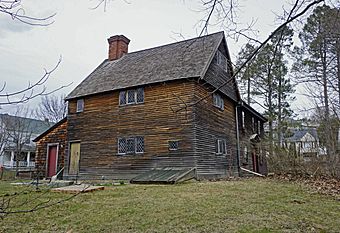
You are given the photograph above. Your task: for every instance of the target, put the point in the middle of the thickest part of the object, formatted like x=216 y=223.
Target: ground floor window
x=131 y=145
x=173 y=145
x=221 y=146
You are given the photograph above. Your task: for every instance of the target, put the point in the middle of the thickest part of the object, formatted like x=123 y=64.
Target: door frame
x=69 y=155
x=47 y=157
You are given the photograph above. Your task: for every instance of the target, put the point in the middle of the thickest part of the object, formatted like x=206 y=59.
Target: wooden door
x=74 y=158
x=52 y=160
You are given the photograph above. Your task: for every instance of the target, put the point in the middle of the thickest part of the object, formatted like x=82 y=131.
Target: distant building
x=25 y=129
x=305 y=142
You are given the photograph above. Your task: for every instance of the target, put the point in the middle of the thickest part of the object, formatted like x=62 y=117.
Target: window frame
x=80 y=105
x=218 y=101
x=173 y=141
x=125 y=94
x=118 y=146
x=222 y=61
x=218 y=146
x=122 y=98
x=136 y=144
x=134 y=140
x=133 y=95
x=142 y=95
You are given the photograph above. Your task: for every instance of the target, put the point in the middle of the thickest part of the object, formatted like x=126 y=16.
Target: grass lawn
x=251 y=205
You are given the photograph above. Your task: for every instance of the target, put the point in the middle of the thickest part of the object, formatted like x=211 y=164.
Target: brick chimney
x=118 y=46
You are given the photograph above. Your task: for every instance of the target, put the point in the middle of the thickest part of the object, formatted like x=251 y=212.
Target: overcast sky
x=79 y=35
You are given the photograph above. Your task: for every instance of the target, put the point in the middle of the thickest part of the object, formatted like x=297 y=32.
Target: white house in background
x=305 y=142
x=28 y=129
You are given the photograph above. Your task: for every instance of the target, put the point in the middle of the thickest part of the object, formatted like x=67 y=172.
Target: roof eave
x=50 y=129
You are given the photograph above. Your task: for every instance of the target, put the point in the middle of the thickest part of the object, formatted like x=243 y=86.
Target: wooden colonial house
x=170 y=107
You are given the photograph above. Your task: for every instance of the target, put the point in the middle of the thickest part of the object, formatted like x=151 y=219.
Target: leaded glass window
x=139 y=144
x=173 y=145
x=140 y=95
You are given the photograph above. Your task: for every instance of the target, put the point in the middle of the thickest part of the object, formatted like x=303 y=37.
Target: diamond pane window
x=122 y=97
x=121 y=146
x=139 y=145
x=131 y=96
x=173 y=145
x=140 y=95
x=130 y=145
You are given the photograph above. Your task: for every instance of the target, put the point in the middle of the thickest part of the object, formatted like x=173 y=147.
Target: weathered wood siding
x=103 y=121
x=210 y=124
x=163 y=116
x=56 y=136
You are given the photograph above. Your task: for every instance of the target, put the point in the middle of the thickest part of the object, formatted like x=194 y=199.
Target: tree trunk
x=16 y=164
x=248 y=88
x=328 y=128
x=279 y=117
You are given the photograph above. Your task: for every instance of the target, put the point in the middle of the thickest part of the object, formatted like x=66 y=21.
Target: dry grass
x=252 y=205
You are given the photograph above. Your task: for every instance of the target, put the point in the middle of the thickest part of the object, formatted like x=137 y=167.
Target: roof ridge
x=151 y=65
x=173 y=43
x=27 y=118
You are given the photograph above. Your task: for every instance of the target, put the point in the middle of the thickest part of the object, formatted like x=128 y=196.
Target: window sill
x=124 y=105
x=130 y=155
x=219 y=108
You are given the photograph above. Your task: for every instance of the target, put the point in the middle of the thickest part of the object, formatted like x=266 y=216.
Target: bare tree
x=52 y=108
x=14 y=9
x=19 y=131
x=32 y=90
x=3 y=143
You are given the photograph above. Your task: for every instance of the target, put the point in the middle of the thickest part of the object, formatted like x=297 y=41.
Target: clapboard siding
x=210 y=124
x=103 y=121
x=58 y=136
x=162 y=117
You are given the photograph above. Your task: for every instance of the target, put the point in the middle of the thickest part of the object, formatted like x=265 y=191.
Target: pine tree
x=318 y=64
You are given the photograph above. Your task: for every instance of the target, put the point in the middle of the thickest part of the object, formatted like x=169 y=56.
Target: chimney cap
x=117 y=38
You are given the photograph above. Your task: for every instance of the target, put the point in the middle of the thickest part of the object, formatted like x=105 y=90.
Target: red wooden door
x=52 y=161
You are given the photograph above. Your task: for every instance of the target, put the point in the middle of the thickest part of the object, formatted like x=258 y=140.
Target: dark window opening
x=173 y=145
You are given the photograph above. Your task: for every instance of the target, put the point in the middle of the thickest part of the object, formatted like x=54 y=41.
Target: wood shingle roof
x=184 y=59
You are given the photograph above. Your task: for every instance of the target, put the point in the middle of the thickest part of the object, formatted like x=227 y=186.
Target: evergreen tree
x=318 y=63
x=266 y=81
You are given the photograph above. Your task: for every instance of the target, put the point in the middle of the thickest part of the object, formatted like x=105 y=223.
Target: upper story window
x=131 y=145
x=131 y=96
x=80 y=105
x=218 y=101
x=221 y=60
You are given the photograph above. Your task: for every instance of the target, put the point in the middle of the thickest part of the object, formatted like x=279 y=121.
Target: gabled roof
x=28 y=124
x=300 y=133
x=184 y=59
x=50 y=129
